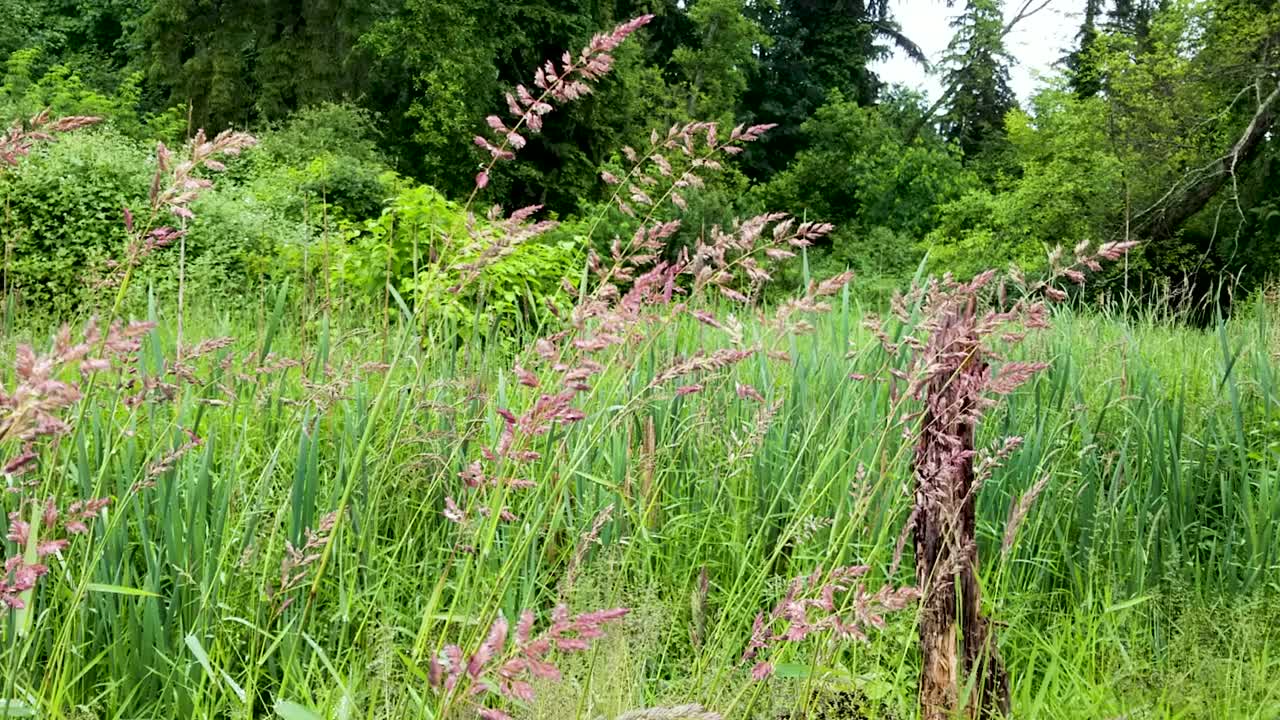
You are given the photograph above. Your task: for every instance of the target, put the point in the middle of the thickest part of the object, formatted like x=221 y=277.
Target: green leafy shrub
x=232 y=246
x=1050 y=202
x=507 y=295
x=324 y=155
x=422 y=244
x=63 y=90
x=880 y=189
x=63 y=221
x=861 y=171
x=63 y=214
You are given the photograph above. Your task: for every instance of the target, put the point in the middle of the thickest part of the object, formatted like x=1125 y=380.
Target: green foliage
x=509 y=295
x=394 y=245
x=717 y=69
x=1051 y=201
x=63 y=215
x=1079 y=62
x=1086 y=167
x=248 y=60
x=814 y=48
x=1132 y=18
x=339 y=130
x=342 y=93
x=232 y=247
x=431 y=71
x=439 y=48
x=22 y=17
x=324 y=161
x=882 y=192
x=64 y=224
x=81 y=32
x=1187 y=78
x=62 y=90
x=459 y=59
x=423 y=245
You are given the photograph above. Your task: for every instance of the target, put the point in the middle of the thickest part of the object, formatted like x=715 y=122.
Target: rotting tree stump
x=957 y=643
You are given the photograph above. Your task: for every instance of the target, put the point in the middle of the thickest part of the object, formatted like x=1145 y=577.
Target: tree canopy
x=1158 y=124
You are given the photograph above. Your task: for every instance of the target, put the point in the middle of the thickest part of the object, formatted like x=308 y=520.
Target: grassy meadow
x=519 y=369
x=1141 y=584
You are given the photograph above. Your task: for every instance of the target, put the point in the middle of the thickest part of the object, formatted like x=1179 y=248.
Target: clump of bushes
x=315 y=200
x=63 y=225
x=63 y=215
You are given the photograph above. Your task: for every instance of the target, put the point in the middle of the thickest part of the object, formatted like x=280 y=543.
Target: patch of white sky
x=1035 y=44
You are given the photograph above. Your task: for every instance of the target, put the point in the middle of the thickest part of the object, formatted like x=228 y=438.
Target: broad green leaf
x=294 y=711
x=119 y=590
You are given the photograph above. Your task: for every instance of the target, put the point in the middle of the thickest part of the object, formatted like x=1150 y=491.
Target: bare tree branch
x=1029 y=8
x=1163 y=218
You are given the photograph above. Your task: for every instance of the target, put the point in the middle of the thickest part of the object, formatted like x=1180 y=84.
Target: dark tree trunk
x=957 y=643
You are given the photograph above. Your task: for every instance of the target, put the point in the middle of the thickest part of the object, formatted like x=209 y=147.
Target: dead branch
x=1187 y=198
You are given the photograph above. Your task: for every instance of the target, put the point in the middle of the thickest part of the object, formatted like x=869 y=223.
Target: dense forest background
x=1156 y=126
